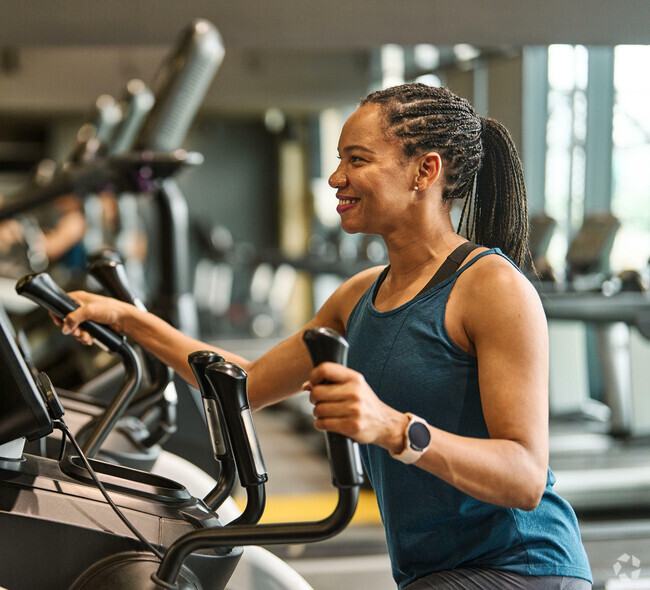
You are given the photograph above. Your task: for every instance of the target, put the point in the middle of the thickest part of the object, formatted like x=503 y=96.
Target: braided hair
x=481 y=161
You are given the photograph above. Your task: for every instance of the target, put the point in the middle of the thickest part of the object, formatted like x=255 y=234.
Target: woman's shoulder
x=350 y=291
x=340 y=304
x=494 y=280
x=492 y=297
x=489 y=267
x=362 y=280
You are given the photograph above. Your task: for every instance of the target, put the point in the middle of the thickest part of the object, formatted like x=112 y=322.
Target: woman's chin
x=350 y=229
x=350 y=226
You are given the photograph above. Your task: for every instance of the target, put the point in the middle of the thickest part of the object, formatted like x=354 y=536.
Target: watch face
x=419 y=436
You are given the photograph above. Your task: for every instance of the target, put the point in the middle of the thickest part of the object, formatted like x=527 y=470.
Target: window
x=566 y=135
x=631 y=157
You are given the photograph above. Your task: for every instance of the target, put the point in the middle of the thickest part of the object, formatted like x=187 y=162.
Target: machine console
x=590 y=250
x=23 y=412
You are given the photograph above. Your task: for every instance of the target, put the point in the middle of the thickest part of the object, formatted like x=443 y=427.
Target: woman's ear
x=429 y=170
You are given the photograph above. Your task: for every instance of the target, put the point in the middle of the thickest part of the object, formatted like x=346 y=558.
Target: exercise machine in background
x=147 y=170
x=599 y=335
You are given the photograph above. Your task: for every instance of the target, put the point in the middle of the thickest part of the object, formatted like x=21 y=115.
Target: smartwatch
x=417 y=439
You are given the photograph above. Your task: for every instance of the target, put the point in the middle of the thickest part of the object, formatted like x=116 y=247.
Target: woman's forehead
x=366 y=115
x=368 y=124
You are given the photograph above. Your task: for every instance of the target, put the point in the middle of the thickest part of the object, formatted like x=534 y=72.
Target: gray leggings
x=487 y=579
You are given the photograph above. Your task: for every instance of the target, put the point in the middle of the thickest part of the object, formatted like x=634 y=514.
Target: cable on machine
x=62 y=426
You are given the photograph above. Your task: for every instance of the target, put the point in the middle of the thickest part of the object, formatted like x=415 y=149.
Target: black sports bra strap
x=450 y=265
x=380 y=280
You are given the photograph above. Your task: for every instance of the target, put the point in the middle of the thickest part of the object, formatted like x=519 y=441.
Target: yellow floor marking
x=307 y=507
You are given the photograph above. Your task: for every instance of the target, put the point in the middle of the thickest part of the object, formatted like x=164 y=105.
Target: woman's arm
x=504 y=322
x=274 y=376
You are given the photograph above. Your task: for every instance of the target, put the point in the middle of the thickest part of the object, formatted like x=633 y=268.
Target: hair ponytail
x=496 y=214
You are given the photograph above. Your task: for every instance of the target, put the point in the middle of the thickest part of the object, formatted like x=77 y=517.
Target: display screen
x=592 y=246
x=542 y=228
x=22 y=410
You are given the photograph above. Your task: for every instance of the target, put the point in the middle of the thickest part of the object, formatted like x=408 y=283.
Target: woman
x=447 y=377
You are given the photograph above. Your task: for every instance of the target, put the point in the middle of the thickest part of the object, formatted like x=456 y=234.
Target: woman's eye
x=352 y=159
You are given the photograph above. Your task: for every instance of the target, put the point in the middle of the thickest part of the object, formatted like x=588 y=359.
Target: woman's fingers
x=344 y=403
x=72 y=330
x=83 y=337
x=331 y=372
x=341 y=407
x=58 y=321
x=103 y=310
x=82 y=313
x=337 y=409
x=91 y=307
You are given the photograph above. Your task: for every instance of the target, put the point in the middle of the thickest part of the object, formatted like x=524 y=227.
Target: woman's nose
x=337 y=179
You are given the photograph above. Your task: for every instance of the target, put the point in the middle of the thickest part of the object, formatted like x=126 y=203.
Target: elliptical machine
x=175 y=540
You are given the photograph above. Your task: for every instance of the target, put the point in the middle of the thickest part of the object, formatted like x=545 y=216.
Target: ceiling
x=288 y=53
x=328 y=25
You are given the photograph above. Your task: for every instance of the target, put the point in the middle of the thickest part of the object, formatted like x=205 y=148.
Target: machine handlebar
x=228 y=382
x=42 y=289
x=326 y=345
x=108 y=268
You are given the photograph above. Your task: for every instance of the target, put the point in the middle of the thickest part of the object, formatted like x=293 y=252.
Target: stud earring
x=417 y=188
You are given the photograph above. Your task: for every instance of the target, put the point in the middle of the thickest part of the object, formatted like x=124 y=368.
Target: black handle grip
x=326 y=345
x=42 y=289
x=198 y=361
x=229 y=384
x=107 y=267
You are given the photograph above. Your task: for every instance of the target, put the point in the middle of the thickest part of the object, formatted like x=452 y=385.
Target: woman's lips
x=346 y=203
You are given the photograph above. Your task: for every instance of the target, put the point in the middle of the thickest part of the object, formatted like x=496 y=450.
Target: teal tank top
x=412 y=364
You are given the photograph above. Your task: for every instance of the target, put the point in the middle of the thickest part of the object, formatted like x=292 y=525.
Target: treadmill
x=600 y=453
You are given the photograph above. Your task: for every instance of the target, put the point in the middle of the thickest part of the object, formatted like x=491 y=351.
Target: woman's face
x=374 y=182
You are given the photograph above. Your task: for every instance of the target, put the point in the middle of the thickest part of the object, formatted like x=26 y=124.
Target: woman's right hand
x=103 y=310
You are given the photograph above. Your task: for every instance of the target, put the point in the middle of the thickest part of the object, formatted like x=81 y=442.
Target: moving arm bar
x=263 y=534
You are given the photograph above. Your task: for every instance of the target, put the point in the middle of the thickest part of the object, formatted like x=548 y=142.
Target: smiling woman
x=448 y=364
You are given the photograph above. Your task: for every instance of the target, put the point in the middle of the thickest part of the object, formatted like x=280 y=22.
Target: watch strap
x=410 y=454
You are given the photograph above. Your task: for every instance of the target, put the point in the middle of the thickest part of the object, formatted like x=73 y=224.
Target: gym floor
x=299 y=488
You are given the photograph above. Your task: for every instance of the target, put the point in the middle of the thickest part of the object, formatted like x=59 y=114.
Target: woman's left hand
x=345 y=403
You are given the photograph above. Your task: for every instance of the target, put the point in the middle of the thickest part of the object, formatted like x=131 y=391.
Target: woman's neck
x=415 y=249
x=414 y=258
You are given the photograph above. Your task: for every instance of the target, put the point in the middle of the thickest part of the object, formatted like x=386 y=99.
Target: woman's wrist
x=130 y=319
x=394 y=439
